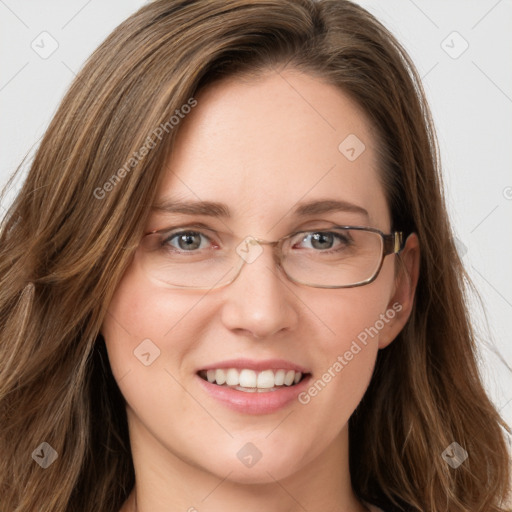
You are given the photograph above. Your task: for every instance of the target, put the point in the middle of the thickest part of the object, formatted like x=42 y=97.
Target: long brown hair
x=71 y=231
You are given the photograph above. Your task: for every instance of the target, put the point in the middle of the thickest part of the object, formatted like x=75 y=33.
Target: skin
x=259 y=146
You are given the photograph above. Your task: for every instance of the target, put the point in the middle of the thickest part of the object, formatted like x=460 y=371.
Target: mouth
x=251 y=381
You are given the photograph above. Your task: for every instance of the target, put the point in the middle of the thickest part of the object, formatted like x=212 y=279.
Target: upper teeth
x=251 y=379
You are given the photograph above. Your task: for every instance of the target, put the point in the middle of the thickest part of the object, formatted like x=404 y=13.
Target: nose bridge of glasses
x=272 y=243
x=249 y=249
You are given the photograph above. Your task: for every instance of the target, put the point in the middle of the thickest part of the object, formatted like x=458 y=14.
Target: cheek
x=148 y=331
x=353 y=315
x=347 y=354
x=144 y=319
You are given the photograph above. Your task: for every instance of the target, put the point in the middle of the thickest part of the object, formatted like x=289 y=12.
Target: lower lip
x=257 y=402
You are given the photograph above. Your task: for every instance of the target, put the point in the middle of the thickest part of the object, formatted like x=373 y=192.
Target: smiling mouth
x=251 y=381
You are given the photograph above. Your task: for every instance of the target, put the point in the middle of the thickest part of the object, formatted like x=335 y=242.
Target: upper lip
x=251 y=364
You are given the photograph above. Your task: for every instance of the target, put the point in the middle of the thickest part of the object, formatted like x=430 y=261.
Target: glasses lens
x=334 y=257
x=205 y=260
x=187 y=259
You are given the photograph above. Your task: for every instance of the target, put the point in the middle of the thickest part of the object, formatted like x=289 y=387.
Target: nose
x=260 y=300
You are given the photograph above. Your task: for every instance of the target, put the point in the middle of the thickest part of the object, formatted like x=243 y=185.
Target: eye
x=324 y=240
x=186 y=241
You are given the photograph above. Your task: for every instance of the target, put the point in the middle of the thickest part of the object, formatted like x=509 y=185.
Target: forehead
x=263 y=146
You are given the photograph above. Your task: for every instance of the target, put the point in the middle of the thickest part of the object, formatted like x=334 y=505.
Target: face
x=262 y=148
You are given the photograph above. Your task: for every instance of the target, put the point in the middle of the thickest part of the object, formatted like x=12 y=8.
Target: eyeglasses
x=334 y=257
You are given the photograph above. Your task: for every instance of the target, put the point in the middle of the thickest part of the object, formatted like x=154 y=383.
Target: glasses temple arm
x=393 y=243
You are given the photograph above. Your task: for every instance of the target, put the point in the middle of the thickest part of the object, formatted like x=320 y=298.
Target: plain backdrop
x=463 y=51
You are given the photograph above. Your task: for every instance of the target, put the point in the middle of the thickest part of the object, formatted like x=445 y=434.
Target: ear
x=402 y=296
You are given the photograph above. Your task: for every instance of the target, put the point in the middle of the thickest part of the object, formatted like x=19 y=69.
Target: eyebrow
x=221 y=210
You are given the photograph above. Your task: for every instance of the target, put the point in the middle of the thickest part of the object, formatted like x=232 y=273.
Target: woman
x=157 y=355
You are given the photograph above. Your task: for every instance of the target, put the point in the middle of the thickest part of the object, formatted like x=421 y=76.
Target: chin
x=264 y=471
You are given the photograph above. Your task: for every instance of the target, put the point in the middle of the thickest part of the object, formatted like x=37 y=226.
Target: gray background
x=468 y=80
